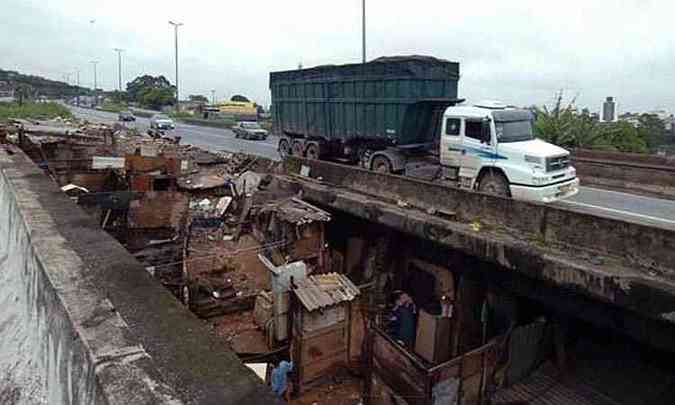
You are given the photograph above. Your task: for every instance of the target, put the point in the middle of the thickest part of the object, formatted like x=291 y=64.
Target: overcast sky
x=520 y=51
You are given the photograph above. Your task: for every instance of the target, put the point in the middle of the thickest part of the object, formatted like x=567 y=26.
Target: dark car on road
x=126 y=116
x=249 y=130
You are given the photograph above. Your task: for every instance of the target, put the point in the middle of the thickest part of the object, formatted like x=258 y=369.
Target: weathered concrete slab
x=83 y=322
x=626 y=264
x=647 y=174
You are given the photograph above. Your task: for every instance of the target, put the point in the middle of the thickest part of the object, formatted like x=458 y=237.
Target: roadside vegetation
x=113 y=107
x=564 y=126
x=30 y=110
x=219 y=123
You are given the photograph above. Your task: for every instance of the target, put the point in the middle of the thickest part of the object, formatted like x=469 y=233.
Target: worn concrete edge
x=132 y=364
x=552 y=224
x=605 y=177
x=647 y=296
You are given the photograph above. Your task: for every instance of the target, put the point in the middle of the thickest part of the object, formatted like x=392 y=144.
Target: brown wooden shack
x=321 y=308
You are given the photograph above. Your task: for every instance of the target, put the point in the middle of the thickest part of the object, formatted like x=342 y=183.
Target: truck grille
x=557 y=163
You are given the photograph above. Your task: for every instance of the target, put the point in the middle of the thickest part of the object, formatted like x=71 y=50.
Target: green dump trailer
x=348 y=112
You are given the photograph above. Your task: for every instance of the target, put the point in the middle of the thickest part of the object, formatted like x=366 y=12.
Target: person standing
x=280 y=378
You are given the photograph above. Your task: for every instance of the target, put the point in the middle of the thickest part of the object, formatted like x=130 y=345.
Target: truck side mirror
x=485 y=133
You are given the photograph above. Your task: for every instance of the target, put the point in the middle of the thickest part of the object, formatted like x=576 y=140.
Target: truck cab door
x=478 y=147
x=451 y=142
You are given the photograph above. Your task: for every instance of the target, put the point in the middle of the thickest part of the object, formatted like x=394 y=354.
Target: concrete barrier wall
x=42 y=361
x=82 y=322
x=577 y=229
x=649 y=174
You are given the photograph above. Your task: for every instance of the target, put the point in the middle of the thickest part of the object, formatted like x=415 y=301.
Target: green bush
x=33 y=111
x=113 y=108
x=181 y=115
x=226 y=123
x=143 y=114
x=563 y=126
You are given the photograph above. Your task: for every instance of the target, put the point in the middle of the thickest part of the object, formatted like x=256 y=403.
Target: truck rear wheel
x=284 y=148
x=296 y=149
x=312 y=151
x=494 y=183
x=381 y=164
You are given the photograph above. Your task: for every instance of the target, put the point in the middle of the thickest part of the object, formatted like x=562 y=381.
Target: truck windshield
x=514 y=131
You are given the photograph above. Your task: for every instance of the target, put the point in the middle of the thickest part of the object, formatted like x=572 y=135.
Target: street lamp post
x=95 y=62
x=119 y=67
x=363 y=31
x=77 y=76
x=213 y=97
x=175 y=30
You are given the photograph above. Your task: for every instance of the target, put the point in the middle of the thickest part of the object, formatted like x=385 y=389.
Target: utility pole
x=213 y=97
x=175 y=31
x=95 y=62
x=77 y=77
x=119 y=67
x=363 y=31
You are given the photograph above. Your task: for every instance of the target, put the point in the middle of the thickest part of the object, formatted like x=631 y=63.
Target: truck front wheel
x=284 y=148
x=494 y=183
x=381 y=164
x=312 y=151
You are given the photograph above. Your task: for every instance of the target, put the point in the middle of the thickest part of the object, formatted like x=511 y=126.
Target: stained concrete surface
x=625 y=264
x=83 y=322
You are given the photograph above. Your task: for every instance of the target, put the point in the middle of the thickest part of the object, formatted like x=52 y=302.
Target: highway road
x=214 y=139
x=596 y=201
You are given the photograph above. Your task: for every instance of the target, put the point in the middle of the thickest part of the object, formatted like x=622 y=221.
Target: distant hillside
x=37 y=86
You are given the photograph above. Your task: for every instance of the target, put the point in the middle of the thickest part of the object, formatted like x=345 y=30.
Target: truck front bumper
x=546 y=194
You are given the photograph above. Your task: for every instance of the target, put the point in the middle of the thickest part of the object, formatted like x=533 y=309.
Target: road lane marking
x=634 y=214
x=637 y=196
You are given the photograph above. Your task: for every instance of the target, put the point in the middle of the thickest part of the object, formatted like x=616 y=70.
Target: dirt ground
x=240 y=332
x=345 y=390
x=238 y=259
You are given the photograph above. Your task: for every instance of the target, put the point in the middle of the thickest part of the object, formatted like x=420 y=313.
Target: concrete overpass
x=616 y=273
x=82 y=322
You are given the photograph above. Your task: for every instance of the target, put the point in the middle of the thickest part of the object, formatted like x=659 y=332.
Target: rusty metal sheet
x=158 y=209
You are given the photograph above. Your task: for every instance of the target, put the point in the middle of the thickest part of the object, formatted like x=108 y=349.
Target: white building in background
x=609 y=110
x=6 y=91
x=664 y=116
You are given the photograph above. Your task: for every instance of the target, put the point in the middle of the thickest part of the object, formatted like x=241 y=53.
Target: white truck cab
x=492 y=149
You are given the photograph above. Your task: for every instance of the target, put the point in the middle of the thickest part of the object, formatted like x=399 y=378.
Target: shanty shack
x=321 y=308
x=297 y=227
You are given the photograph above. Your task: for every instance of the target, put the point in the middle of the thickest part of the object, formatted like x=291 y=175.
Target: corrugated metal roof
x=296 y=211
x=324 y=290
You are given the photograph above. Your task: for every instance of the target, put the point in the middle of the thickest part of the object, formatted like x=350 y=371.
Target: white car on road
x=161 y=121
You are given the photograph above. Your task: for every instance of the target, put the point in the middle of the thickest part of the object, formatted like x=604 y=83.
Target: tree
x=118 y=97
x=198 y=98
x=157 y=98
x=151 y=91
x=240 y=98
x=652 y=130
x=23 y=92
x=563 y=126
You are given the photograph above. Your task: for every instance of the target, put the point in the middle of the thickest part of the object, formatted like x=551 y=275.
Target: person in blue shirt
x=403 y=319
x=280 y=378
